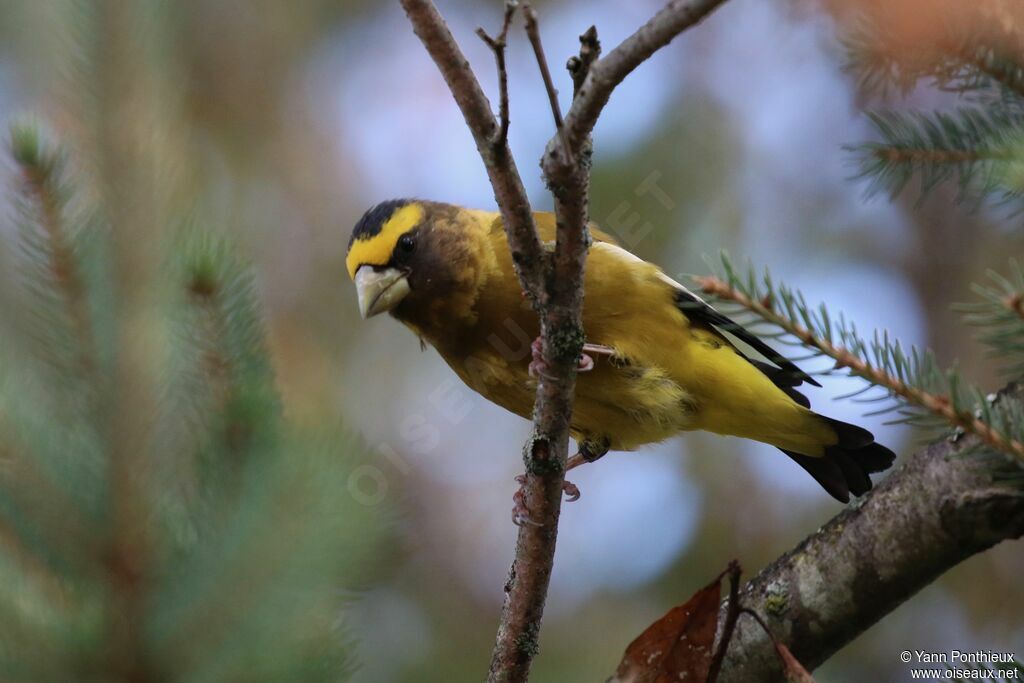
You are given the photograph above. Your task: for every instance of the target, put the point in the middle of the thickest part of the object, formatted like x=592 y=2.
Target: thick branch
x=940 y=507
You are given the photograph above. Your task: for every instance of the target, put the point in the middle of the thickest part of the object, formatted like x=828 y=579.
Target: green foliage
x=976 y=148
x=968 y=52
x=245 y=537
x=999 y=317
x=914 y=387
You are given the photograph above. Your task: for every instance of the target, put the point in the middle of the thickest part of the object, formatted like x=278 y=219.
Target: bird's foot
x=521 y=514
x=539 y=367
x=589 y=452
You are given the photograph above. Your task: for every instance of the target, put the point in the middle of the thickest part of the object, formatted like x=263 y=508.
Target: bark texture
x=941 y=506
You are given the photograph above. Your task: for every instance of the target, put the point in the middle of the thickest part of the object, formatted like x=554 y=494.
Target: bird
x=658 y=359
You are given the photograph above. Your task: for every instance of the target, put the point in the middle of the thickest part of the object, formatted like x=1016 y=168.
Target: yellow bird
x=659 y=360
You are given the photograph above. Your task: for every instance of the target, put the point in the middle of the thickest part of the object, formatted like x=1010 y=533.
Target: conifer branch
x=42 y=183
x=972 y=146
x=999 y=316
x=998 y=69
x=896 y=372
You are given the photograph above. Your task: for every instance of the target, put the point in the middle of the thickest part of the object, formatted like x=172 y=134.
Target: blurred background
x=295 y=117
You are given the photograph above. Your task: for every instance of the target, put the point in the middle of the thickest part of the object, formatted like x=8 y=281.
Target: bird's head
x=421 y=261
x=382 y=254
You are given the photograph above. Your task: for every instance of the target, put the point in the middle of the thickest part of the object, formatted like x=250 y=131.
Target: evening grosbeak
x=659 y=360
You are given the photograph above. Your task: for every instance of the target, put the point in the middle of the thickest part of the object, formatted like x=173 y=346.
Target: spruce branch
x=991 y=73
x=912 y=377
x=999 y=316
x=970 y=50
x=972 y=146
x=966 y=50
x=44 y=196
x=227 y=331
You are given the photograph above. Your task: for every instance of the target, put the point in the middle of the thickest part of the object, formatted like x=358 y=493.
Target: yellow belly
x=627 y=405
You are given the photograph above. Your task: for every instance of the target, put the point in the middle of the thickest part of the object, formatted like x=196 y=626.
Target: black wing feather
x=786 y=375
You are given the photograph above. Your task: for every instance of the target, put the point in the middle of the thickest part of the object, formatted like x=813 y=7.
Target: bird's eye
x=406 y=244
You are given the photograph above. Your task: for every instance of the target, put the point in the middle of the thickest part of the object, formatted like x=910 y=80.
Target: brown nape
x=444 y=272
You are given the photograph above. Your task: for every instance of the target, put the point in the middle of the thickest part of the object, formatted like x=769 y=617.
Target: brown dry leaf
x=795 y=671
x=677 y=647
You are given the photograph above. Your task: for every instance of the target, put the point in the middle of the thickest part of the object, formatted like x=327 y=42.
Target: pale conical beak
x=379 y=290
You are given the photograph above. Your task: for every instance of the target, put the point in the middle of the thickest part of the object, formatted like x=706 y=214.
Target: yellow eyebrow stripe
x=376 y=250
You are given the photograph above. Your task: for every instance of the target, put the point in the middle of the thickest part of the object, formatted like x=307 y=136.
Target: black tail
x=845 y=467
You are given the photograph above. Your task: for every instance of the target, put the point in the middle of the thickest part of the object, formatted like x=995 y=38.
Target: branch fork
x=554 y=283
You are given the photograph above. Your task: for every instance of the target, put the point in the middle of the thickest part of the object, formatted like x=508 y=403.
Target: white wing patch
x=629 y=257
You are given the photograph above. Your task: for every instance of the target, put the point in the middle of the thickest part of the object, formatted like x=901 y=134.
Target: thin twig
x=939 y=405
x=731 y=616
x=41 y=181
x=907 y=155
x=757 y=617
x=528 y=253
x=579 y=66
x=498 y=46
x=609 y=72
x=533 y=33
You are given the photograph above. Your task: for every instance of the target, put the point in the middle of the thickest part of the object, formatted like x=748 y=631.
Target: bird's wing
x=782 y=372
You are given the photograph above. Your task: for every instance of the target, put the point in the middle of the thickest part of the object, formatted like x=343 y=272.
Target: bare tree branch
x=732 y=614
x=940 y=507
x=498 y=46
x=555 y=283
x=579 y=66
x=607 y=73
x=533 y=33
x=527 y=251
x=545 y=454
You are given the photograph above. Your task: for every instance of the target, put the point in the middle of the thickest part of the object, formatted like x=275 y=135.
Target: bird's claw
x=538 y=366
x=521 y=514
